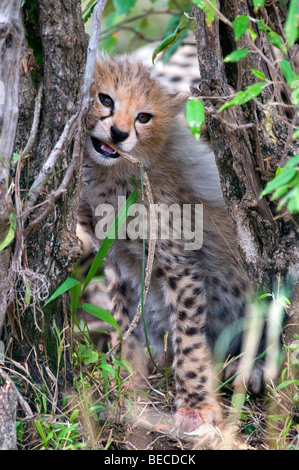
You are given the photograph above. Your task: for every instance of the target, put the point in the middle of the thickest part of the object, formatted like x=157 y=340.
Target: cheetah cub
x=196 y=291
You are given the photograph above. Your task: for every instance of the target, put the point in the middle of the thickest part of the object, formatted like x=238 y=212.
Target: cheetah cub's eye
x=144 y=117
x=106 y=100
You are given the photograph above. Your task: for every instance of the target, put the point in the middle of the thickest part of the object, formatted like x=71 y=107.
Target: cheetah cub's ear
x=178 y=102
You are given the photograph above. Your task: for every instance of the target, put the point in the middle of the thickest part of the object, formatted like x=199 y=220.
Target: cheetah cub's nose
x=117 y=135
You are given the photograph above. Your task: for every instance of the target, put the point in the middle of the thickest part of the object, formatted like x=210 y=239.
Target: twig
x=151 y=249
x=138 y=34
x=136 y=18
x=26 y=408
x=62 y=188
x=35 y=123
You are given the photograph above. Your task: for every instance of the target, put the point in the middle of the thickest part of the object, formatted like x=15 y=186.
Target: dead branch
x=151 y=249
x=8 y=404
x=11 y=36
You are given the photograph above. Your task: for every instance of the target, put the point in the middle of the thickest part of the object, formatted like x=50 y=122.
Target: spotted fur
x=194 y=294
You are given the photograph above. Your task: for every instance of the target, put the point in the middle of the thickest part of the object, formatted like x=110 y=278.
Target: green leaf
x=174 y=47
x=40 y=429
x=110 y=370
x=295 y=93
x=87 y=354
x=75 y=292
x=263 y=296
x=292 y=23
x=67 y=285
x=240 y=25
x=210 y=12
x=235 y=56
x=286 y=383
x=258 y=4
x=27 y=294
x=244 y=96
x=252 y=34
x=87 y=12
x=105 y=375
x=287 y=71
x=258 y=74
x=279 y=192
x=171 y=38
x=296 y=134
x=263 y=27
x=124 y=7
x=238 y=400
x=272 y=36
x=10 y=234
x=15 y=158
x=293 y=200
x=195 y=115
x=101 y=314
x=277 y=41
x=279 y=180
x=112 y=232
x=292 y=162
x=123 y=364
x=207 y=9
x=74 y=415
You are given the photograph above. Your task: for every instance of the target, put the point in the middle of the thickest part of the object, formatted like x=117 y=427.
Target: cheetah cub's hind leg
x=196 y=401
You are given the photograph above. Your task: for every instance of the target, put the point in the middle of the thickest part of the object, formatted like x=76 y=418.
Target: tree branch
x=11 y=36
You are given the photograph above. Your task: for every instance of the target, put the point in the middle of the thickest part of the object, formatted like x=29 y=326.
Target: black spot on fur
x=236 y=291
x=189 y=302
x=191 y=331
x=125 y=311
x=182 y=315
x=172 y=283
x=215 y=298
x=200 y=310
x=197 y=291
x=191 y=374
x=160 y=272
x=187 y=350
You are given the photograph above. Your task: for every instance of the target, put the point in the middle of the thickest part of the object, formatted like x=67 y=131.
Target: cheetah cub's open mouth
x=103 y=148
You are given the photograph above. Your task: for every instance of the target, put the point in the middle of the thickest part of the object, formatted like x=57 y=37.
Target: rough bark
x=45 y=256
x=8 y=405
x=250 y=143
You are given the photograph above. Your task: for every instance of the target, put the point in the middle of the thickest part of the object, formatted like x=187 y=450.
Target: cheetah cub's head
x=131 y=109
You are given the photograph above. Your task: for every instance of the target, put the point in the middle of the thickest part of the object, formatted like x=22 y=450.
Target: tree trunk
x=11 y=35
x=46 y=246
x=247 y=150
x=8 y=406
x=250 y=143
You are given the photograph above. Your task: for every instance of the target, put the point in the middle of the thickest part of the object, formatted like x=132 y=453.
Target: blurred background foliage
x=130 y=24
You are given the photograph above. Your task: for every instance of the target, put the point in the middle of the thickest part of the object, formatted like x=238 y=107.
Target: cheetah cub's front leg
x=132 y=349
x=196 y=400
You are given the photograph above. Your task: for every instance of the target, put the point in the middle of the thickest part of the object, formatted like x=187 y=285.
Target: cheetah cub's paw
x=190 y=419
